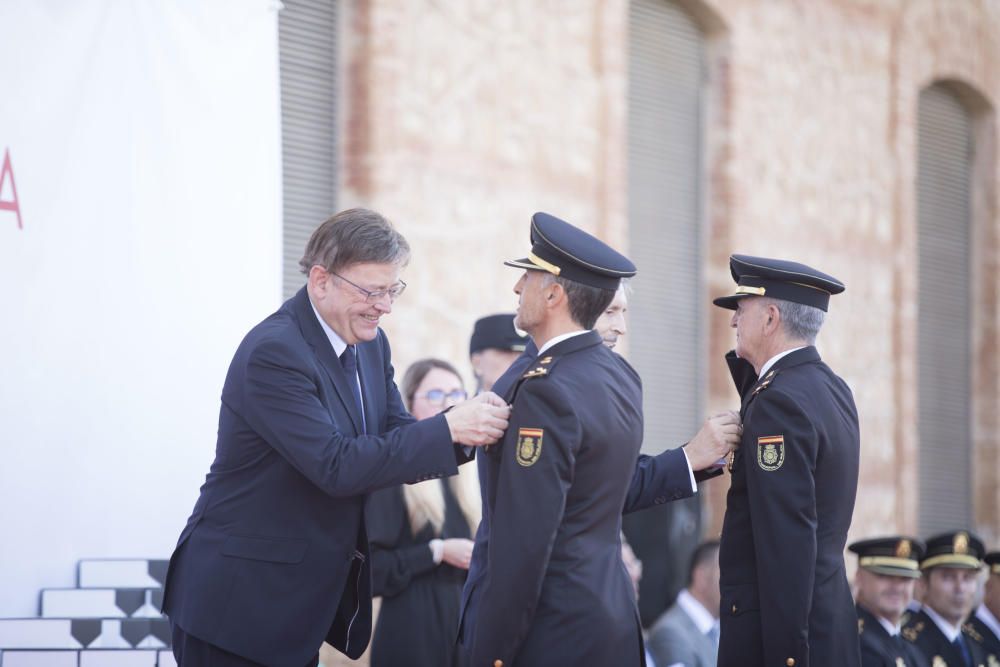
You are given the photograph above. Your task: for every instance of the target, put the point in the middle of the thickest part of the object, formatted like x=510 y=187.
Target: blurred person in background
x=950 y=569
x=888 y=567
x=687 y=634
x=986 y=620
x=420 y=536
x=493 y=347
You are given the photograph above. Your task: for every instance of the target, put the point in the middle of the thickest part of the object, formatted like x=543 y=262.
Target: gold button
x=498 y=663
x=734 y=609
x=790 y=662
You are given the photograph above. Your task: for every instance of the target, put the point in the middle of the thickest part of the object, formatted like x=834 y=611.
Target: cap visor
x=893 y=571
x=729 y=302
x=524 y=263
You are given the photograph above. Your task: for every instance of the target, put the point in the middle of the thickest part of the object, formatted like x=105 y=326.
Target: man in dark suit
x=547 y=585
x=887 y=570
x=986 y=621
x=950 y=569
x=785 y=595
x=274 y=559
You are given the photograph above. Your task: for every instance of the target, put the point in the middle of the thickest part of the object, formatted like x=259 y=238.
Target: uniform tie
x=964 y=650
x=349 y=360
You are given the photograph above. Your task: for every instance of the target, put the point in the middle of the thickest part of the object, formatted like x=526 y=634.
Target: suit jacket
x=274 y=558
x=550 y=587
x=675 y=638
x=985 y=637
x=785 y=595
x=880 y=649
x=921 y=631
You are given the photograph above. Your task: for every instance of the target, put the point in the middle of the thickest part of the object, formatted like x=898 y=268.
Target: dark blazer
x=274 y=558
x=784 y=587
x=550 y=587
x=880 y=649
x=923 y=633
x=984 y=636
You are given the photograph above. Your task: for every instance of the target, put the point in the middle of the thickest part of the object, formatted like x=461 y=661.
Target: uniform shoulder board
x=539 y=369
x=973 y=633
x=910 y=634
x=861 y=626
x=766 y=382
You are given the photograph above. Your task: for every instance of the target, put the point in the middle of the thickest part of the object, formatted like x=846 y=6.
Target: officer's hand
x=478 y=421
x=457 y=552
x=719 y=435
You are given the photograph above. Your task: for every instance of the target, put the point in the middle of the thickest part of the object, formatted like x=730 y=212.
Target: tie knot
x=349 y=360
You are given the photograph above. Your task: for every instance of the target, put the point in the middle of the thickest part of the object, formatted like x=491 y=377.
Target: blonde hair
x=425 y=500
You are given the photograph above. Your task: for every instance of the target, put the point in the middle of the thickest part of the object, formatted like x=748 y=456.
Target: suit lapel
x=317 y=339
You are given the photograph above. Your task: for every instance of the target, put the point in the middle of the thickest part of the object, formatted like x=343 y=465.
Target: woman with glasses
x=420 y=538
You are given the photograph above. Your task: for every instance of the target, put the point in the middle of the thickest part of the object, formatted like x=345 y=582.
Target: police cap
x=496 y=332
x=779 y=279
x=565 y=251
x=896 y=556
x=959 y=548
x=993 y=561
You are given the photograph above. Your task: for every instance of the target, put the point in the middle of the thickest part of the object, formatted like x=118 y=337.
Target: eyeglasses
x=439 y=396
x=377 y=295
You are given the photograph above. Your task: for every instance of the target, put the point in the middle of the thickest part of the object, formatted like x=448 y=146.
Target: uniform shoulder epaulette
x=910 y=634
x=972 y=632
x=540 y=369
x=766 y=382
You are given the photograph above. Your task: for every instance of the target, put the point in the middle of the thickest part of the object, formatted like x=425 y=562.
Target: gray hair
x=354 y=236
x=800 y=321
x=586 y=303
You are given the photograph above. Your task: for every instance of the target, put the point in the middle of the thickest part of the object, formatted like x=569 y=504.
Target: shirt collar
x=950 y=631
x=336 y=341
x=988 y=619
x=893 y=630
x=703 y=619
x=560 y=338
x=773 y=360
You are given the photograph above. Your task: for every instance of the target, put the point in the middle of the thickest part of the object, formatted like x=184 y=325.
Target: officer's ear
x=773 y=318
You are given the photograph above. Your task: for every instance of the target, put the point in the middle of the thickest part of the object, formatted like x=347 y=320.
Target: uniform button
x=734 y=609
x=498 y=663
x=790 y=662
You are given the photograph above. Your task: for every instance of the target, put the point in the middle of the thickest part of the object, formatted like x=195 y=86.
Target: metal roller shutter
x=307 y=36
x=944 y=316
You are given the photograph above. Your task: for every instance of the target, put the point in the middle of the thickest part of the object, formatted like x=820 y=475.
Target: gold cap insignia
x=961 y=543
x=903 y=549
x=529 y=446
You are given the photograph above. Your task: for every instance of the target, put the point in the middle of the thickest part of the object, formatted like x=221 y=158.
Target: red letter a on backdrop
x=8 y=172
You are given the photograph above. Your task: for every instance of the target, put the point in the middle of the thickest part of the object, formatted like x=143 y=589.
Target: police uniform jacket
x=785 y=595
x=274 y=558
x=550 y=587
x=926 y=636
x=984 y=636
x=880 y=649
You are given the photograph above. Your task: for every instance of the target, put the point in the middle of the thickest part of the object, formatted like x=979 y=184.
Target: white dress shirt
x=950 y=631
x=988 y=619
x=703 y=619
x=338 y=348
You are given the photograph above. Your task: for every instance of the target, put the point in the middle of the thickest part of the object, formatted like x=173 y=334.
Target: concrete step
x=64 y=633
x=101 y=603
x=121 y=573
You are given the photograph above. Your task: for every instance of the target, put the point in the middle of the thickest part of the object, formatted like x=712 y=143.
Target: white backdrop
x=145 y=144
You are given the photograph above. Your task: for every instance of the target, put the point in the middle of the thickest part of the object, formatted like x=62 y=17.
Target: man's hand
x=719 y=435
x=478 y=421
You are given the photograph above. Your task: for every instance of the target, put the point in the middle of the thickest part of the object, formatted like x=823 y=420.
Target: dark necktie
x=964 y=650
x=349 y=360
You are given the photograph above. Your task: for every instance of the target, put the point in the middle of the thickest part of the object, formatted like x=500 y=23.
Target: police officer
x=547 y=585
x=950 y=569
x=493 y=347
x=986 y=621
x=887 y=570
x=785 y=595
